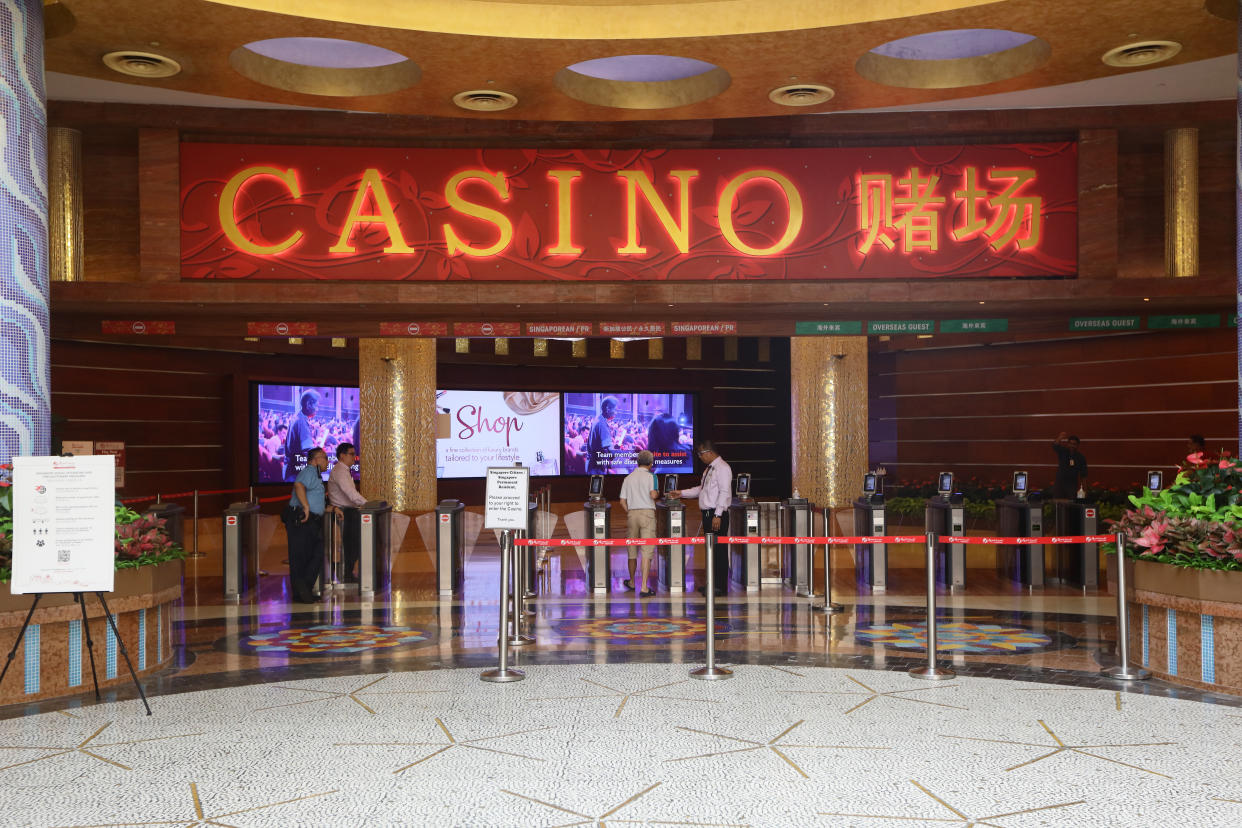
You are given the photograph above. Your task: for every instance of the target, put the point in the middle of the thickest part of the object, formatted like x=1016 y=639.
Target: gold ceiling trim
x=322 y=80
x=954 y=73
x=642 y=94
x=604 y=19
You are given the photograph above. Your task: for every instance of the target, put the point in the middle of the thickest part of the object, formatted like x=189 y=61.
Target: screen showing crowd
x=293 y=419
x=604 y=432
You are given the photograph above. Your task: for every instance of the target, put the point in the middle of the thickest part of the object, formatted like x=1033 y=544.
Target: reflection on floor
x=372 y=713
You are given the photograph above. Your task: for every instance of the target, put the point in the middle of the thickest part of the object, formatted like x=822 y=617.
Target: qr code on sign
x=62 y=555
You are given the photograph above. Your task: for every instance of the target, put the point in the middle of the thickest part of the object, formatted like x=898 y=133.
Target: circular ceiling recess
x=801 y=94
x=141 y=64
x=325 y=66
x=485 y=100
x=642 y=81
x=953 y=59
x=1143 y=53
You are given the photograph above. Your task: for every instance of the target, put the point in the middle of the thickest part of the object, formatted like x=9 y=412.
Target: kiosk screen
x=1155 y=480
x=670 y=483
x=1019 y=482
x=742 y=485
x=945 y=486
x=869 y=483
x=597 y=485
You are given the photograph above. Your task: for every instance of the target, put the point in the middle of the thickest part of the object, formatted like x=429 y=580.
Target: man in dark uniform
x=1071 y=467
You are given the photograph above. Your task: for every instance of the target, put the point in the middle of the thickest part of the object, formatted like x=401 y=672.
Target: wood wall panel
x=964 y=409
x=110 y=203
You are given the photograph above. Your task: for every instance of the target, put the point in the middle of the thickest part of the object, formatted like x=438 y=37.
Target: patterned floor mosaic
x=324 y=639
x=629 y=744
x=964 y=637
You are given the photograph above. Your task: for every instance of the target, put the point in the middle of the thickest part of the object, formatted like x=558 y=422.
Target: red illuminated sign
x=281 y=328
x=559 y=329
x=631 y=328
x=413 y=329
x=487 y=329
x=139 y=327
x=382 y=214
x=703 y=328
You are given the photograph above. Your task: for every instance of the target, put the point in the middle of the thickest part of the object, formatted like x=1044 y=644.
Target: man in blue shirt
x=599 y=444
x=303 y=519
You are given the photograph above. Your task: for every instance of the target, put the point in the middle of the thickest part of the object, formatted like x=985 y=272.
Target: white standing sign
x=508 y=494
x=64 y=524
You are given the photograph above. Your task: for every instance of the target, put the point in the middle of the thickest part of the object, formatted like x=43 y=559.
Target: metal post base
x=499 y=676
x=1127 y=673
x=711 y=673
x=520 y=640
x=831 y=608
x=527 y=595
x=932 y=673
x=366 y=594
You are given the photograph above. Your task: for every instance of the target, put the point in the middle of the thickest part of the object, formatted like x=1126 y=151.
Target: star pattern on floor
x=626 y=695
x=352 y=695
x=453 y=742
x=86 y=747
x=599 y=820
x=1061 y=747
x=200 y=814
x=958 y=816
x=872 y=694
x=773 y=745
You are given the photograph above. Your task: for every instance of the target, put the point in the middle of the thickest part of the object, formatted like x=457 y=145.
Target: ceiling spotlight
x=485 y=100
x=1142 y=53
x=801 y=94
x=142 y=64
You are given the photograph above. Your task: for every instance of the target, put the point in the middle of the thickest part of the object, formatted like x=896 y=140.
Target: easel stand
x=90 y=644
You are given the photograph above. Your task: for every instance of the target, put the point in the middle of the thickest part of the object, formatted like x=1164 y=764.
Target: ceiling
x=649 y=59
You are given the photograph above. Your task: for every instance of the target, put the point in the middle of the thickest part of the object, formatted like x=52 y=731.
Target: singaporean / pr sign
x=353 y=214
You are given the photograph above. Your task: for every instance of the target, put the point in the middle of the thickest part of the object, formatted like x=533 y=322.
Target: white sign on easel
x=64 y=524
x=507 y=502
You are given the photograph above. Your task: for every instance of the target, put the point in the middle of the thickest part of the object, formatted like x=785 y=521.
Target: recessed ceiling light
x=801 y=94
x=1145 y=299
x=141 y=64
x=1142 y=53
x=485 y=100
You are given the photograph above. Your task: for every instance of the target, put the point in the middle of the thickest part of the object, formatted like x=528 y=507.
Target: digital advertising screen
x=604 y=432
x=477 y=429
x=290 y=420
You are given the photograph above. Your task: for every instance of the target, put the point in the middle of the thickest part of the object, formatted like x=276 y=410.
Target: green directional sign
x=902 y=326
x=838 y=327
x=1104 y=323
x=974 y=325
x=1185 y=320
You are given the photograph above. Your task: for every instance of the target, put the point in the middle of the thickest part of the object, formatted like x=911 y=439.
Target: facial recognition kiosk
x=795 y=520
x=241 y=549
x=173 y=515
x=1077 y=563
x=945 y=514
x=744 y=558
x=599 y=527
x=374 y=547
x=450 y=542
x=1021 y=514
x=871 y=559
x=671 y=523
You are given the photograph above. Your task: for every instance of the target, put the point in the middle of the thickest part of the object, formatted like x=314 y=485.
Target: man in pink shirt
x=344 y=495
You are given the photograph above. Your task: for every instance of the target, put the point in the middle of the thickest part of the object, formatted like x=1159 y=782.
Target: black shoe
x=648 y=593
x=628 y=584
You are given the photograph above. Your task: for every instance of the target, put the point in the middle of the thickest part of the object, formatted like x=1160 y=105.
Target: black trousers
x=305 y=552
x=351 y=539
x=721 y=558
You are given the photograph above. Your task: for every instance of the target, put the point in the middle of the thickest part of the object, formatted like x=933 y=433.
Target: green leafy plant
x=1193 y=522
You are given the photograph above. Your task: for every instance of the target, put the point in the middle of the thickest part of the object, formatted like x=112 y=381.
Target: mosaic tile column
x=828 y=378
x=1237 y=190
x=25 y=396
x=397 y=379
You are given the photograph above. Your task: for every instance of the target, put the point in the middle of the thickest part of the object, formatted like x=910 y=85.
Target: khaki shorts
x=640 y=523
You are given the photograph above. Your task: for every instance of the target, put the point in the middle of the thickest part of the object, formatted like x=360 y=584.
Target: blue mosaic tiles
x=1207 y=647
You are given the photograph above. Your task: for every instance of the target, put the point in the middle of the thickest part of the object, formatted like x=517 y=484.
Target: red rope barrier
x=810 y=539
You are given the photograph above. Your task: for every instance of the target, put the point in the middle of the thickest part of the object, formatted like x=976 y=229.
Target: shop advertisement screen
x=477 y=429
x=290 y=420
x=603 y=432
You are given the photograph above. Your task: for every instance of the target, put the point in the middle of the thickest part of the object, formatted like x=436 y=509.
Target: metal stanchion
x=517 y=639
x=829 y=606
x=194 y=553
x=711 y=672
x=251 y=495
x=503 y=672
x=1123 y=670
x=931 y=671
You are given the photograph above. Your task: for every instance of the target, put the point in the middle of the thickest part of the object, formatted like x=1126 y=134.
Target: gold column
x=64 y=197
x=398 y=398
x=828 y=379
x=1181 y=202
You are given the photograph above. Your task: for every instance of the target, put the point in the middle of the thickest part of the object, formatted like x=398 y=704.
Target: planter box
x=148 y=579
x=1195 y=584
x=10 y=602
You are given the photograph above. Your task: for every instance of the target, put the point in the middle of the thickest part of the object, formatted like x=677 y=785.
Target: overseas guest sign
x=508 y=497
x=64 y=524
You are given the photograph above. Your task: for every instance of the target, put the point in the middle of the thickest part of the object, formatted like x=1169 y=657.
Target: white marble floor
x=629 y=744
